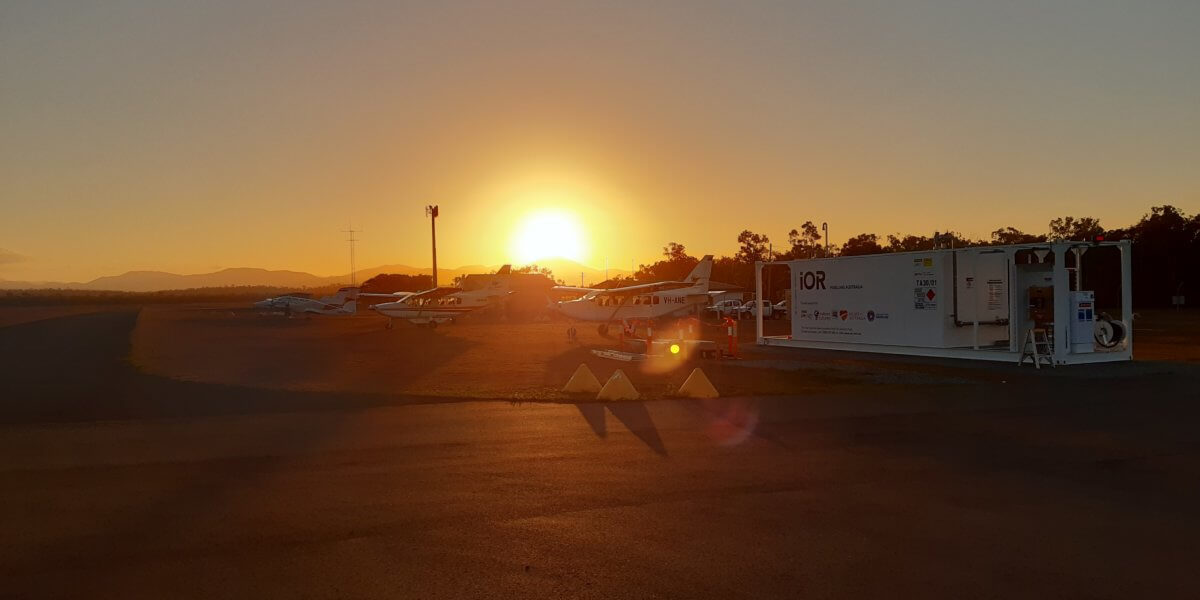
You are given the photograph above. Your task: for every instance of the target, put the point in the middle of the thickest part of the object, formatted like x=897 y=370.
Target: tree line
x=1166 y=251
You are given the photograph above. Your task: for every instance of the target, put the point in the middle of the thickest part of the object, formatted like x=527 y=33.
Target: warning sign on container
x=924 y=291
x=995 y=295
x=924 y=298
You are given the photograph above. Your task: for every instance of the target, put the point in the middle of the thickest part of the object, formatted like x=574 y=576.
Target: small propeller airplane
x=442 y=304
x=343 y=303
x=637 y=302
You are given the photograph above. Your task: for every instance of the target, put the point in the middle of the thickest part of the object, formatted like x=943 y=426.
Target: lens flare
x=731 y=421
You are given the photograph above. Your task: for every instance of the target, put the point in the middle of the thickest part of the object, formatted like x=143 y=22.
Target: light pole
x=825 y=228
x=431 y=211
x=351 y=239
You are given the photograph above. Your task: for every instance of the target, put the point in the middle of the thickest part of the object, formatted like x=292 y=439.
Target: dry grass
x=1168 y=335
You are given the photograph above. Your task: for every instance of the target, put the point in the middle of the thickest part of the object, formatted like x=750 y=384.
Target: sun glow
x=548 y=234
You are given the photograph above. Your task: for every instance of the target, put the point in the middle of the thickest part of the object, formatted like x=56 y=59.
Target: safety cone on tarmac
x=697 y=385
x=618 y=387
x=583 y=381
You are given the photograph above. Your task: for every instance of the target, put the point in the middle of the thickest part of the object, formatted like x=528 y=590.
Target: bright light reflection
x=548 y=234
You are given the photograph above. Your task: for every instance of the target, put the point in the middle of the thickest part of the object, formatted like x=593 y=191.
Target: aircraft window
x=657 y=300
x=645 y=299
x=637 y=300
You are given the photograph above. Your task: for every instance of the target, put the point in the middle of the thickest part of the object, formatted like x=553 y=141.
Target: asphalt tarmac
x=119 y=484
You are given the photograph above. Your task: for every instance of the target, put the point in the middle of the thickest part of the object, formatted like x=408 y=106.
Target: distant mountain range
x=153 y=281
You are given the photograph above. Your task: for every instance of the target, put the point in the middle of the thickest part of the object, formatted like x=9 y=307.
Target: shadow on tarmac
x=633 y=415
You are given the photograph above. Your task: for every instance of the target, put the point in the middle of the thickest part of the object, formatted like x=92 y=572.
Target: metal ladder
x=1037 y=348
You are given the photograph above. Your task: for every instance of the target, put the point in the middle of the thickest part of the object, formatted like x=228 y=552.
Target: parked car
x=747 y=310
x=725 y=308
x=780 y=310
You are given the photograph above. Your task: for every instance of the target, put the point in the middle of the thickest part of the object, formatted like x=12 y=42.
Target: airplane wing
x=436 y=292
x=574 y=290
x=645 y=288
x=393 y=295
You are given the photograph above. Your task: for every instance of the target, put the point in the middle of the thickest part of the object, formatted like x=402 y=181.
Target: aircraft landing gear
x=603 y=329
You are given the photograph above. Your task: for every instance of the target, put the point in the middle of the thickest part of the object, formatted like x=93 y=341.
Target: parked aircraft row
x=444 y=304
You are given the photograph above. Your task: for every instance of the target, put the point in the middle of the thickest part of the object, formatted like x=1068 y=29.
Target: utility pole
x=825 y=228
x=350 y=238
x=431 y=211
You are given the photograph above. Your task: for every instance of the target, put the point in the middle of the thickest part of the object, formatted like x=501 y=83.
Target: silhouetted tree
x=729 y=269
x=805 y=242
x=386 y=283
x=676 y=266
x=908 y=243
x=536 y=270
x=675 y=252
x=863 y=243
x=753 y=246
x=1012 y=235
x=1070 y=228
x=1166 y=255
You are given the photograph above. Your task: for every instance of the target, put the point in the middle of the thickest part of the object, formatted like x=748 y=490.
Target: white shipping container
x=967 y=303
x=895 y=299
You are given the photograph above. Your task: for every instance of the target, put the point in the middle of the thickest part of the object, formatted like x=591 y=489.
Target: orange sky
x=191 y=137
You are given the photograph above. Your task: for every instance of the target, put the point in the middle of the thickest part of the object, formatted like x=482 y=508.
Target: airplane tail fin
x=343 y=294
x=702 y=272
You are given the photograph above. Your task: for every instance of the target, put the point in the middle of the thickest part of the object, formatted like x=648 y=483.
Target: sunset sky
x=192 y=136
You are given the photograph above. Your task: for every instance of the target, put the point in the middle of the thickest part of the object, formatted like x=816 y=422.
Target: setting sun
x=548 y=234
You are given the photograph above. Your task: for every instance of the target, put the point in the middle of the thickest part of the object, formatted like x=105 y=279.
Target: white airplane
x=444 y=304
x=645 y=301
x=395 y=296
x=344 y=302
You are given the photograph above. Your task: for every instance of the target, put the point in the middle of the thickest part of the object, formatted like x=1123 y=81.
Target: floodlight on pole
x=431 y=211
x=350 y=238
